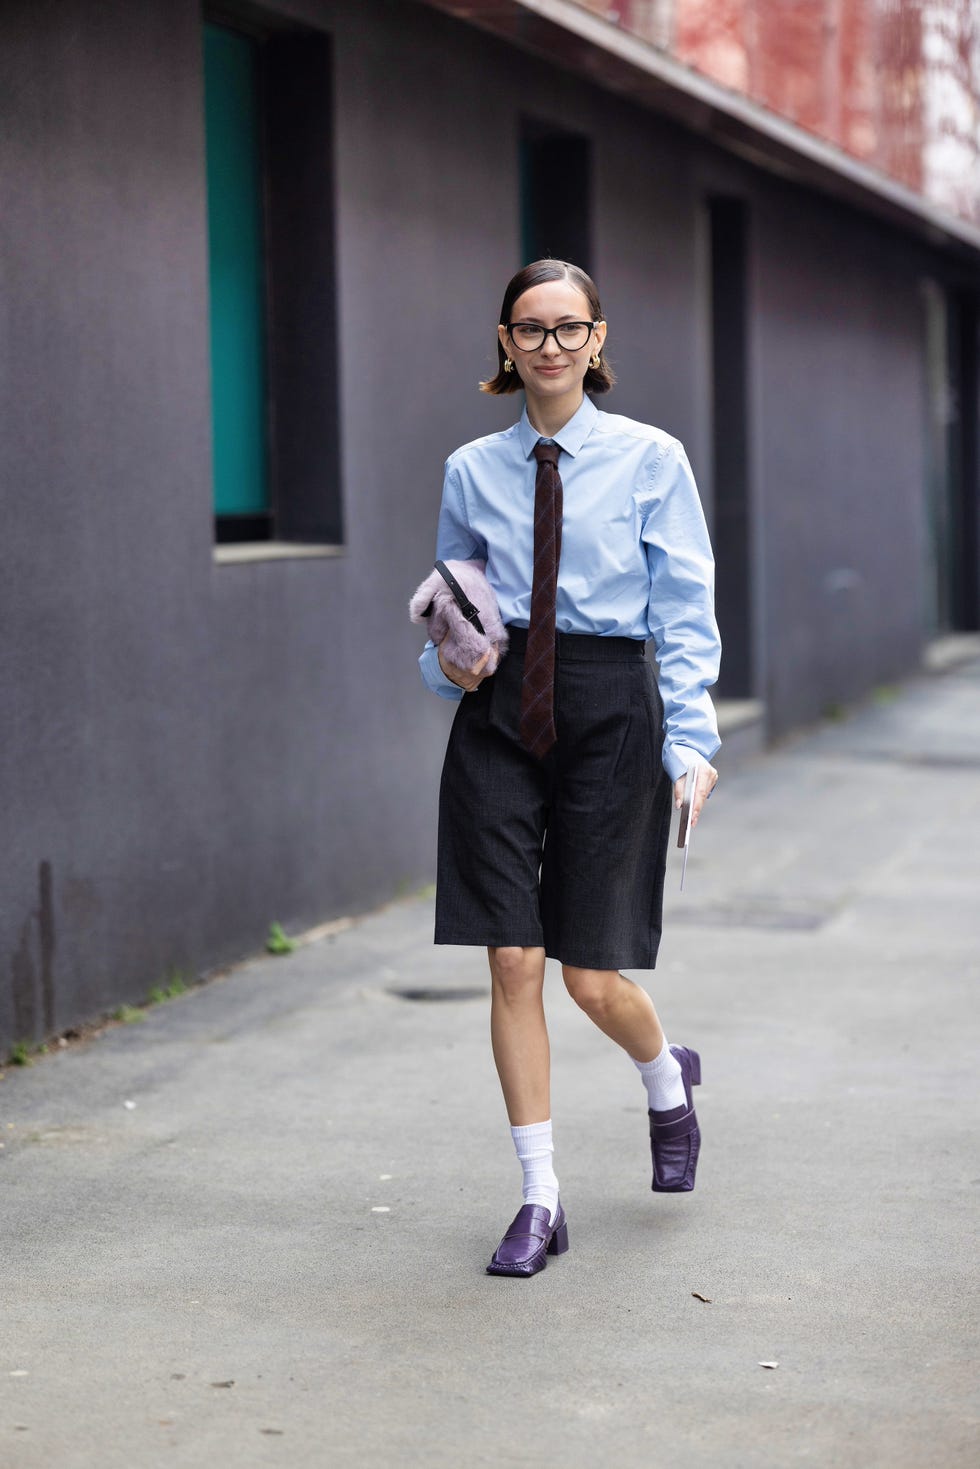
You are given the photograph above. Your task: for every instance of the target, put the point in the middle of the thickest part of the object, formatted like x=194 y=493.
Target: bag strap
x=467 y=608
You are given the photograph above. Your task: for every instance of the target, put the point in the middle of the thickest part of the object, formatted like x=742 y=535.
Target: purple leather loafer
x=675 y=1138
x=529 y=1241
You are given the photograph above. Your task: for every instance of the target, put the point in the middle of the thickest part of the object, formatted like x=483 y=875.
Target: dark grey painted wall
x=190 y=749
x=840 y=471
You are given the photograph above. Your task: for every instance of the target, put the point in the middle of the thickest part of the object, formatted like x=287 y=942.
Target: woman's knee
x=516 y=972
x=593 y=990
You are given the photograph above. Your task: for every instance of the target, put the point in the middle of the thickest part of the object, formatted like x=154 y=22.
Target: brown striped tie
x=538 y=690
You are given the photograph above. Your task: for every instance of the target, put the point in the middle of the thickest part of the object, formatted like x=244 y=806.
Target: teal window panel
x=237 y=272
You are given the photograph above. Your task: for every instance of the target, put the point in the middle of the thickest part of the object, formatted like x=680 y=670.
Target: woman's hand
x=468 y=679
x=707 y=780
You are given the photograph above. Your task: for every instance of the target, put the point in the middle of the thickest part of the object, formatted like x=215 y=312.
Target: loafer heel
x=558 y=1243
x=695 y=1068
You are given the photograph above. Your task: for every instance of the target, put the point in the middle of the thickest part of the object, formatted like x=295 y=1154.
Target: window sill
x=239 y=551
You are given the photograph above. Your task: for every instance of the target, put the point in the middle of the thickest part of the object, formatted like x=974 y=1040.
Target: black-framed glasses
x=528 y=336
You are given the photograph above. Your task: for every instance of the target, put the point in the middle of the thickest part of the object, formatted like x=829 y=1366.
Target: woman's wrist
x=446 y=671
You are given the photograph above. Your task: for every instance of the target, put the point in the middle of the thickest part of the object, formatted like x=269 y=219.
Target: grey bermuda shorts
x=567 y=853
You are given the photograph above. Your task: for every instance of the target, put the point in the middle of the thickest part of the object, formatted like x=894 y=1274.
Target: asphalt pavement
x=251 y=1229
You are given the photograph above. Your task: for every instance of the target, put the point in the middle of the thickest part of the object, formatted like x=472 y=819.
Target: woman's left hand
x=707 y=780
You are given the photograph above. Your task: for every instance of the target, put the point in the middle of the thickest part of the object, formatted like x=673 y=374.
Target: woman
x=555 y=804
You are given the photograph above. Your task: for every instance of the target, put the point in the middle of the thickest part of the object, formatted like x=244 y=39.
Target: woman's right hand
x=468 y=679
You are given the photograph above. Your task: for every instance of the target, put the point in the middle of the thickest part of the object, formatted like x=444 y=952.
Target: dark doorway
x=730 y=416
x=966 y=458
x=952 y=471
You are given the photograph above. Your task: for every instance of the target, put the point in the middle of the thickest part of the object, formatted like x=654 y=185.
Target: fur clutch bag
x=462 y=613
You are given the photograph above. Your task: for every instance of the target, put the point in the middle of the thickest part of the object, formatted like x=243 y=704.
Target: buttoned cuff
x=678 y=759
x=434 y=678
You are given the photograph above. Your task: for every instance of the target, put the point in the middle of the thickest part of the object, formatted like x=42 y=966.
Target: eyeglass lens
x=528 y=336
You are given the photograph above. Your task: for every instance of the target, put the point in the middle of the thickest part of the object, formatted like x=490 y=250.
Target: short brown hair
x=597 y=379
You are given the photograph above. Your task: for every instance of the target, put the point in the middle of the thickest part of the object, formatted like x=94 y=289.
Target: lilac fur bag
x=463 y=644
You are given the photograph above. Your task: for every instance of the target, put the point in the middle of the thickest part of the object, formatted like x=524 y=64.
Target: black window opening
x=269 y=129
x=556 y=194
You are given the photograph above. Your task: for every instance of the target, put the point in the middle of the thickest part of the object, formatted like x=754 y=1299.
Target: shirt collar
x=570 y=437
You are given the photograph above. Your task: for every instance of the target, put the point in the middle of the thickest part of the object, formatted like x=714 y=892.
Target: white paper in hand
x=687 y=807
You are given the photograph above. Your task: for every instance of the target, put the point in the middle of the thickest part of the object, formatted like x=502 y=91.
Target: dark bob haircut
x=597 y=379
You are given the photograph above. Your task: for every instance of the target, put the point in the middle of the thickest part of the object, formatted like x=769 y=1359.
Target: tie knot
x=546 y=453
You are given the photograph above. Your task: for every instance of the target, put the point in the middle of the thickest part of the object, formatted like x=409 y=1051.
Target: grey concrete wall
x=839 y=473
x=106 y=752
x=189 y=749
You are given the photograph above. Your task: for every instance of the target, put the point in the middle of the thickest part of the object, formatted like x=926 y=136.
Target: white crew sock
x=535 y=1148
x=663 y=1080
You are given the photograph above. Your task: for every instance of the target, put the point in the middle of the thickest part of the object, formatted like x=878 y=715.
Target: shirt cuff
x=678 y=759
x=434 y=678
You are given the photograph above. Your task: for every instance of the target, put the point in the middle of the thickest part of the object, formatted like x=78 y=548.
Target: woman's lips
x=551 y=371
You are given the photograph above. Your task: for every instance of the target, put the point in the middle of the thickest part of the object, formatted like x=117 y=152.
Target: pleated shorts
x=567 y=853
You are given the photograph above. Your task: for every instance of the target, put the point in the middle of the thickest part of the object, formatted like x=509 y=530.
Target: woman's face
x=552 y=371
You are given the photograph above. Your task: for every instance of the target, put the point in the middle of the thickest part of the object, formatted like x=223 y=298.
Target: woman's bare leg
x=625 y=1012
x=621 y=1009
x=519 y=1034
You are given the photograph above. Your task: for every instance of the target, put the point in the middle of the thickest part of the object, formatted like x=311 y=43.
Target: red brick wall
x=895 y=83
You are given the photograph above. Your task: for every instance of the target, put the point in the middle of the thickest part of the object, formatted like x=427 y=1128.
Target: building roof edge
x=570 y=36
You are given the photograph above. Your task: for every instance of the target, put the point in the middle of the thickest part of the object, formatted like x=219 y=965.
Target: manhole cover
x=436 y=993
x=948 y=760
x=749 y=914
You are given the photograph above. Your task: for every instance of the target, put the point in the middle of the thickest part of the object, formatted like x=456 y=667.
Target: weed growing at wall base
x=277 y=942
x=175 y=985
x=128 y=1014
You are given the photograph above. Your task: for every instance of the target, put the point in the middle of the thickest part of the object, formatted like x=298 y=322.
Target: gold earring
x=596 y=360
x=508 y=365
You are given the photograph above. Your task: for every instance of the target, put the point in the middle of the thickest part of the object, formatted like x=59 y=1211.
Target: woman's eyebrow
x=536 y=320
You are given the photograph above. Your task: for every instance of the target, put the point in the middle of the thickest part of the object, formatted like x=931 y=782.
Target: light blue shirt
x=635 y=562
